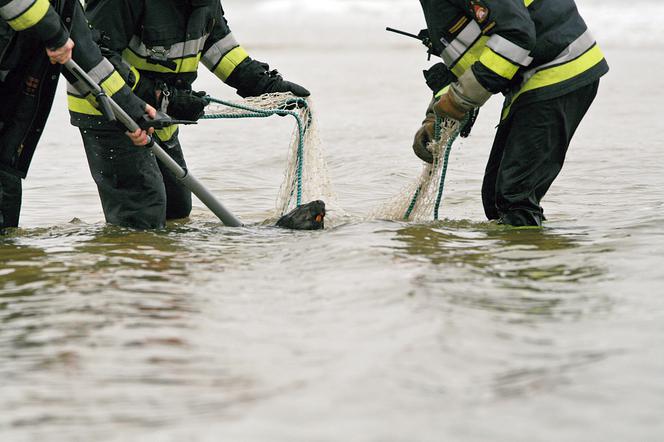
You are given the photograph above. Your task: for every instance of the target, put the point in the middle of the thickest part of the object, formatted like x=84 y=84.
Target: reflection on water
x=502 y=286
x=528 y=270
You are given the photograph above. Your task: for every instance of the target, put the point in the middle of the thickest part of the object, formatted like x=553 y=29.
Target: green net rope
x=283 y=110
x=445 y=159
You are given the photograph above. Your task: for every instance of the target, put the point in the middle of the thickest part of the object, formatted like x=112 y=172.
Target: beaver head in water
x=310 y=216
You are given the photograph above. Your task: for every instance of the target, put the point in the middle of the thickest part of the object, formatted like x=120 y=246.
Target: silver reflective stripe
x=183 y=49
x=455 y=50
x=574 y=50
x=213 y=56
x=100 y=72
x=509 y=50
x=15 y=8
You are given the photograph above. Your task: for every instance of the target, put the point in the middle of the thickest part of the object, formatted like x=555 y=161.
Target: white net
x=416 y=202
x=419 y=200
x=311 y=180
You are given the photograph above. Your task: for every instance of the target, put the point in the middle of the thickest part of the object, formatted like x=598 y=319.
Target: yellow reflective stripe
x=442 y=92
x=82 y=105
x=189 y=64
x=558 y=74
x=137 y=77
x=470 y=57
x=498 y=64
x=112 y=84
x=527 y=2
x=166 y=133
x=88 y=104
x=31 y=17
x=229 y=62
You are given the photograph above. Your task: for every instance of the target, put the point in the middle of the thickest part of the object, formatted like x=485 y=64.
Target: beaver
x=310 y=216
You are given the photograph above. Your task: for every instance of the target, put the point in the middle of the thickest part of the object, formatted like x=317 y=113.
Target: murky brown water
x=371 y=331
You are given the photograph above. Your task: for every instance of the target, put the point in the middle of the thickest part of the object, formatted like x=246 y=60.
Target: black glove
x=182 y=104
x=468 y=127
x=438 y=77
x=252 y=78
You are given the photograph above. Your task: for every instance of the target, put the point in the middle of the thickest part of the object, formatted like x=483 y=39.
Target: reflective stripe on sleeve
x=213 y=56
x=101 y=71
x=470 y=57
x=466 y=38
x=498 y=64
x=511 y=51
x=86 y=103
x=24 y=14
x=229 y=62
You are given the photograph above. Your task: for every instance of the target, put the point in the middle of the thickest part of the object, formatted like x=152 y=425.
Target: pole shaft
x=188 y=180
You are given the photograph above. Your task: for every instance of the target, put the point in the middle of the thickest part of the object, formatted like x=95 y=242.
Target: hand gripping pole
x=183 y=175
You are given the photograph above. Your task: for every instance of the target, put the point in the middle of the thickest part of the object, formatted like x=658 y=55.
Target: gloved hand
x=272 y=81
x=426 y=133
x=253 y=78
x=423 y=137
x=181 y=104
x=438 y=77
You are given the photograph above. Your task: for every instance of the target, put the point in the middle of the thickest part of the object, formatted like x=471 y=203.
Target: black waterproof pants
x=136 y=190
x=10 y=200
x=527 y=155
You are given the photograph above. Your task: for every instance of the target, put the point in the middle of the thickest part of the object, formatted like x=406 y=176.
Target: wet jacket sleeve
x=512 y=37
x=89 y=57
x=36 y=16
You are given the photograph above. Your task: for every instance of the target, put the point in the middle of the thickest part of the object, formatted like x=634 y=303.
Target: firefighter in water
x=542 y=57
x=158 y=45
x=36 y=38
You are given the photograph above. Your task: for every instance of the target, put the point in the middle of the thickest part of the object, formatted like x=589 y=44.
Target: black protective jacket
x=530 y=50
x=28 y=81
x=164 y=40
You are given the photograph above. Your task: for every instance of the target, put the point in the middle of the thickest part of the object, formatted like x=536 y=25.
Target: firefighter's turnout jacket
x=530 y=50
x=28 y=81
x=164 y=40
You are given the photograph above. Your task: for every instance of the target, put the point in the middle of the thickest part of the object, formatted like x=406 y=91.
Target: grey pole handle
x=183 y=175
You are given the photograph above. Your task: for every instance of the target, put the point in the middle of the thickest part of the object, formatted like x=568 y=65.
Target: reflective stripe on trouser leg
x=528 y=154
x=10 y=199
x=178 y=197
x=131 y=187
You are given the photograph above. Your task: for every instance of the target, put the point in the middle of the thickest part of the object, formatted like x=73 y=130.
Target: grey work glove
x=425 y=135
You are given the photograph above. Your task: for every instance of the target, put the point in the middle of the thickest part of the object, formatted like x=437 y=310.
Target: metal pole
x=183 y=175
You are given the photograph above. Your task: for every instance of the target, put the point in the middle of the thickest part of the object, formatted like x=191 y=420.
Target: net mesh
x=306 y=176
x=306 y=173
x=420 y=200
